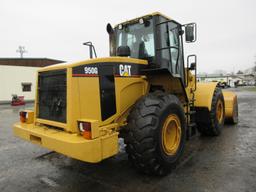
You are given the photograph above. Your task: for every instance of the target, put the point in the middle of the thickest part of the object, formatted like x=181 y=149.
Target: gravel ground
x=225 y=163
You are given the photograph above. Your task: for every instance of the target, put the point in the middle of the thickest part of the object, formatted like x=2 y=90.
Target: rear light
x=27 y=116
x=23 y=116
x=85 y=129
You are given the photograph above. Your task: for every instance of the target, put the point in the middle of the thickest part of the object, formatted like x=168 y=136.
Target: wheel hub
x=171 y=134
x=220 y=111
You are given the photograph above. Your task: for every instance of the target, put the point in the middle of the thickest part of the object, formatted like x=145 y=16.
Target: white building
x=18 y=76
x=230 y=79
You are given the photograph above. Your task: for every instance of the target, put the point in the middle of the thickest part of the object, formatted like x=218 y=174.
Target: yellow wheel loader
x=145 y=92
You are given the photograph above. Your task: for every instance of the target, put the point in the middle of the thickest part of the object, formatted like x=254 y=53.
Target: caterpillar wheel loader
x=145 y=92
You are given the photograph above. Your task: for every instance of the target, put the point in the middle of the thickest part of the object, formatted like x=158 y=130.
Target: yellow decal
x=125 y=70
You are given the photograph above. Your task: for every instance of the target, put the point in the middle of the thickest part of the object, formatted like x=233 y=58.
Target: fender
x=204 y=93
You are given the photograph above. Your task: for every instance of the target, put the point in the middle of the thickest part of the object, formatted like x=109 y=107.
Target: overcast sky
x=57 y=28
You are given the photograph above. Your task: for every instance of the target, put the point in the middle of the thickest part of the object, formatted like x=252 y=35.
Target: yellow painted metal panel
x=204 y=94
x=70 y=144
x=36 y=103
x=230 y=98
x=52 y=123
x=68 y=99
x=128 y=90
x=93 y=61
x=83 y=103
x=73 y=112
x=89 y=97
x=109 y=145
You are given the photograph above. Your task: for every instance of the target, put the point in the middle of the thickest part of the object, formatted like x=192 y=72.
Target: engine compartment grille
x=52 y=91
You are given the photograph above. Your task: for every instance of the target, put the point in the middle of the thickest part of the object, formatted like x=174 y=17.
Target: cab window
x=139 y=38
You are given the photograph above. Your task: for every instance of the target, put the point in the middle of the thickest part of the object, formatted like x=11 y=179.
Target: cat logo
x=125 y=70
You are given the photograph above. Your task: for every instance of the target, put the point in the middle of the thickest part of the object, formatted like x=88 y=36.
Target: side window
x=149 y=44
x=26 y=87
x=120 y=40
x=171 y=47
x=174 y=44
x=130 y=40
x=165 y=54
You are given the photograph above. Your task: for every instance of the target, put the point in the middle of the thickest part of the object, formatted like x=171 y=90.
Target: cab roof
x=144 y=16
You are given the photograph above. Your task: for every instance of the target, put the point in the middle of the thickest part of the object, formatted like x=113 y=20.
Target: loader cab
x=154 y=38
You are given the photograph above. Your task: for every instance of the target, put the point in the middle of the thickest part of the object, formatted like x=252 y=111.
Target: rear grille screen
x=52 y=91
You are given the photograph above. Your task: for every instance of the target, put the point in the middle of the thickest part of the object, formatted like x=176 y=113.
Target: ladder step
x=190 y=103
x=192 y=125
x=191 y=113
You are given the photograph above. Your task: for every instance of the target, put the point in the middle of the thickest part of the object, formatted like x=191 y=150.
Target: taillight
x=85 y=129
x=27 y=116
x=23 y=116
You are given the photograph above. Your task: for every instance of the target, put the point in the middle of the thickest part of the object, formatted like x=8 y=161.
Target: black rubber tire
x=211 y=126
x=144 y=139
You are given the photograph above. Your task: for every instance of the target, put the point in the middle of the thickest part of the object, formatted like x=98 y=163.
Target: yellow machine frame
x=83 y=106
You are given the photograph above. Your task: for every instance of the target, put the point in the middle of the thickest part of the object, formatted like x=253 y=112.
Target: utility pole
x=21 y=50
x=254 y=70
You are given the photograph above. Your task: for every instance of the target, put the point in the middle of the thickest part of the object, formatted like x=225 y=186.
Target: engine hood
x=96 y=61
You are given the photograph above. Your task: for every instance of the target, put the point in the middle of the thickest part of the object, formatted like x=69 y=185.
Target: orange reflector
x=87 y=135
x=85 y=129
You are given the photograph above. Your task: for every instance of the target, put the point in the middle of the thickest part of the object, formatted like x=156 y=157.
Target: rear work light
x=85 y=129
x=26 y=116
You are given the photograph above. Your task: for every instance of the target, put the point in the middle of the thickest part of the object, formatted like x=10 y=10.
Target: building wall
x=11 y=79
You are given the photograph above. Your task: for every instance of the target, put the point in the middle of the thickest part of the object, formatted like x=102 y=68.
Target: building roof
x=29 y=62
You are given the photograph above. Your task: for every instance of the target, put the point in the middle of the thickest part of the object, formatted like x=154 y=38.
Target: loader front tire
x=156 y=133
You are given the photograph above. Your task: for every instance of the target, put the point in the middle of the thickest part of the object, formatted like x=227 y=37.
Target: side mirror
x=192 y=70
x=190 y=32
x=191 y=62
x=192 y=66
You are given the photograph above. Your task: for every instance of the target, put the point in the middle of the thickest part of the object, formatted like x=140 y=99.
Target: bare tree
x=21 y=50
x=254 y=71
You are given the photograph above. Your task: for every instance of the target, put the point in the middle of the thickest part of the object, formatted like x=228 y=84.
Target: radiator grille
x=52 y=91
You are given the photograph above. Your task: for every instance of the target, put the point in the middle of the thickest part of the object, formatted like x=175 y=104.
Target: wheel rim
x=171 y=134
x=220 y=111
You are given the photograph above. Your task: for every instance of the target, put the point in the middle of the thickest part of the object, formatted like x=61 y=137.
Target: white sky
x=57 y=28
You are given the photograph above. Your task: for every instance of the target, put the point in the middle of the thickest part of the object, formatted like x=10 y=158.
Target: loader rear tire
x=214 y=122
x=156 y=133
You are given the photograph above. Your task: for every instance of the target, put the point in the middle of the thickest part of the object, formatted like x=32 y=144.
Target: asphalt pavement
x=224 y=163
